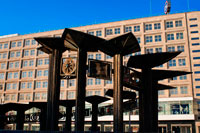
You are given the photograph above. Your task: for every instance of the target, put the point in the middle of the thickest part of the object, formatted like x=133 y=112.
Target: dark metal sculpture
x=118 y=47
x=148 y=93
x=95 y=100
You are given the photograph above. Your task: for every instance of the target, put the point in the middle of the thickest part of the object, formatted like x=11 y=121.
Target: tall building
x=24 y=69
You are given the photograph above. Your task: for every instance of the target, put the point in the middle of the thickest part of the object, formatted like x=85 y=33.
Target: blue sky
x=31 y=16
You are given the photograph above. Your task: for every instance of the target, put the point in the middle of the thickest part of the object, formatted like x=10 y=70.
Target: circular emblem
x=69 y=66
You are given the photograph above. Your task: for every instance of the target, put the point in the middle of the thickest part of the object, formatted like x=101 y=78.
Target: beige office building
x=24 y=69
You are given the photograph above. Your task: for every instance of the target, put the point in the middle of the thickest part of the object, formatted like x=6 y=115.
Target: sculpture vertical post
x=68 y=118
x=43 y=118
x=20 y=119
x=80 y=90
x=117 y=98
x=3 y=120
x=94 y=117
x=148 y=96
x=53 y=90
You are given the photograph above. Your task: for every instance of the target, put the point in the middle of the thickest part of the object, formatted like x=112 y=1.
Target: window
x=158 y=50
x=192 y=19
x=13 y=44
x=30 y=74
x=31 y=63
x=149 y=51
x=3 y=66
x=196 y=58
x=136 y=28
x=71 y=82
x=11 y=64
x=37 y=96
x=197 y=87
x=62 y=83
x=161 y=92
x=98 y=56
x=181 y=62
x=45 y=72
x=195 y=38
x=196 y=65
x=197 y=72
x=1 y=46
x=25 y=63
x=89 y=81
x=26 y=52
x=4 y=55
x=192 y=32
x=39 y=62
x=169 y=24
x=40 y=52
x=172 y=63
x=28 y=96
x=128 y=29
x=148 y=39
x=173 y=91
x=90 y=56
x=184 y=90
x=29 y=85
x=12 y=54
x=157 y=26
x=13 y=97
x=23 y=85
x=38 y=84
x=108 y=81
x=2 y=76
x=108 y=57
x=33 y=42
x=18 y=54
x=183 y=77
x=17 y=64
x=148 y=26
x=44 y=84
x=14 y=86
x=170 y=37
x=138 y=39
x=197 y=79
x=89 y=93
x=193 y=25
x=158 y=38
x=8 y=86
x=19 y=44
x=109 y=31
x=70 y=95
x=5 y=45
x=39 y=73
x=195 y=51
x=117 y=30
x=171 y=49
x=178 y=23
x=21 y=96
x=195 y=44
x=16 y=75
x=97 y=81
x=180 y=48
x=179 y=36
x=32 y=52
x=44 y=96
x=91 y=32
x=97 y=93
x=98 y=33
x=27 y=42
x=9 y=75
x=46 y=61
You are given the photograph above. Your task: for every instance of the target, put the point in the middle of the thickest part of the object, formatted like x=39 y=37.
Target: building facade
x=24 y=69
